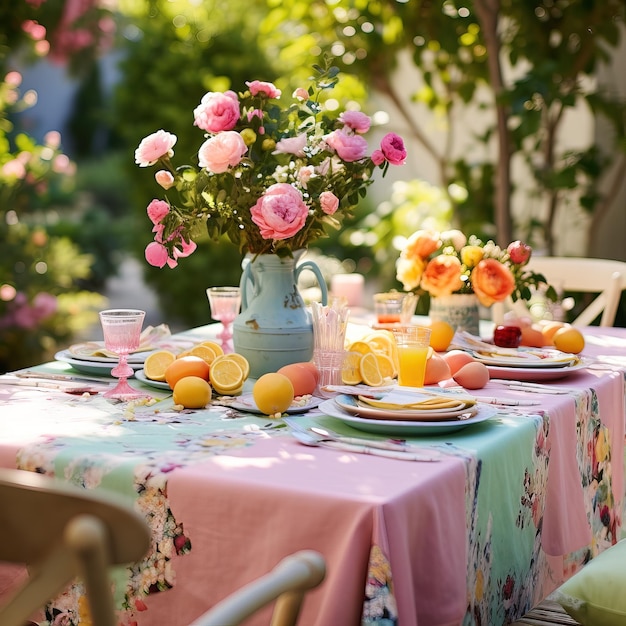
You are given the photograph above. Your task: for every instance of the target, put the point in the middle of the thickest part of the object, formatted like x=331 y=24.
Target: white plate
x=528 y=374
x=246 y=402
x=90 y=367
x=392 y=427
x=157 y=384
x=351 y=405
x=135 y=357
x=544 y=359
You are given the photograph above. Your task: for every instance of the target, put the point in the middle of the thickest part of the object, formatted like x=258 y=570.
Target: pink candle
x=350 y=286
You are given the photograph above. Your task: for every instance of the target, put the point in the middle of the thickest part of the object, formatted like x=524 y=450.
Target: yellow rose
x=409 y=272
x=472 y=255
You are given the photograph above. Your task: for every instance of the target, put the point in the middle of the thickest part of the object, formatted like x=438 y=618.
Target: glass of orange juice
x=412 y=342
x=393 y=307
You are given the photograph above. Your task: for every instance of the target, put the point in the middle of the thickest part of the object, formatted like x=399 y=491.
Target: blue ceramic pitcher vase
x=274 y=327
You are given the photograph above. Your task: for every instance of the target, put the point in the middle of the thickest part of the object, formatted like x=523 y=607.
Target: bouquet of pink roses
x=445 y=263
x=270 y=179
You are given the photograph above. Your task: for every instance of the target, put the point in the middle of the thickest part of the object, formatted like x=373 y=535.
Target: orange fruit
x=241 y=361
x=301 y=378
x=273 y=393
x=204 y=352
x=156 y=363
x=532 y=337
x=214 y=346
x=569 y=339
x=370 y=373
x=548 y=330
x=441 y=334
x=186 y=366
x=226 y=374
x=192 y=392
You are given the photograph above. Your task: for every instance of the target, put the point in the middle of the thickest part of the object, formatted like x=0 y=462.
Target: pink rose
x=442 y=275
x=393 y=148
x=222 y=151
x=291 y=145
x=348 y=147
x=280 y=212
x=492 y=282
x=357 y=121
x=154 y=147
x=156 y=254
x=157 y=210
x=258 y=86
x=519 y=252
x=378 y=158
x=217 y=111
x=329 y=202
x=165 y=179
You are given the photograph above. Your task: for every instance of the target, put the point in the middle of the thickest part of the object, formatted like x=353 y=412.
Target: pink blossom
x=357 y=121
x=156 y=254
x=61 y=164
x=393 y=148
x=291 y=145
x=348 y=147
x=222 y=151
x=157 y=210
x=165 y=179
x=45 y=304
x=279 y=213
x=53 y=139
x=329 y=202
x=301 y=94
x=14 y=169
x=155 y=147
x=378 y=158
x=519 y=252
x=217 y=111
x=186 y=248
x=258 y=86
x=13 y=79
x=254 y=113
x=304 y=174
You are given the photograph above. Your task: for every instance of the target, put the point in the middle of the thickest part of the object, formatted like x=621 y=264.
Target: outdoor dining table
x=515 y=504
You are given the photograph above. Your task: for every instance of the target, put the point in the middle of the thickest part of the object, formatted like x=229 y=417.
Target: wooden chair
x=287 y=583
x=603 y=277
x=60 y=532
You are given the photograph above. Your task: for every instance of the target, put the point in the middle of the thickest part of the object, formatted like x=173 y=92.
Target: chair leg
x=87 y=536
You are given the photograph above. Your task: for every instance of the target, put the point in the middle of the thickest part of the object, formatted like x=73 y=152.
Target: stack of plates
x=408 y=412
x=92 y=361
x=529 y=364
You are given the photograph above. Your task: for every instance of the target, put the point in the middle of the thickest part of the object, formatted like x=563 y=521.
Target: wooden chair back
x=60 y=532
x=287 y=584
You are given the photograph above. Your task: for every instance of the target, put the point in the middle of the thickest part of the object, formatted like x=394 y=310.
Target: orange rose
x=442 y=275
x=409 y=272
x=492 y=282
x=421 y=244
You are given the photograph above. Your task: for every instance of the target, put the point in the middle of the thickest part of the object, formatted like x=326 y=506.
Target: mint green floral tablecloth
x=517 y=548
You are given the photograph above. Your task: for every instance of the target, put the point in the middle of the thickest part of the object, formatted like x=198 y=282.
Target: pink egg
x=456 y=359
x=436 y=370
x=302 y=379
x=472 y=376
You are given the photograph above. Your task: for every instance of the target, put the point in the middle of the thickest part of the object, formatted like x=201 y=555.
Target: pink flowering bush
x=269 y=177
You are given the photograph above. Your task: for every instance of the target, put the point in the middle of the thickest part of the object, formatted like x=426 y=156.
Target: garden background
x=513 y=114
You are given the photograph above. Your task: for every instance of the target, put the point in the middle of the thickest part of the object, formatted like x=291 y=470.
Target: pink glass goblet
x=225 y=303
x=122 y=330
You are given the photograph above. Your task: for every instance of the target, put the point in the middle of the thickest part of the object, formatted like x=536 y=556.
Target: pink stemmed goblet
x=225 y=303
x=122 y=330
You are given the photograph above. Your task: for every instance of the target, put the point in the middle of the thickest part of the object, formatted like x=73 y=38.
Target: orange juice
x=412 y=365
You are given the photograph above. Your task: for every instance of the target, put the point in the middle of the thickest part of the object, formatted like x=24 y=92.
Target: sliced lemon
x=368 y=367
x=226 y=374
x=360 y=346
x=385 y=365
x=242 y=361
x=156 y=363
x=350 y=374
x=228 y=392
x=214 y=346
x=206 y=353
